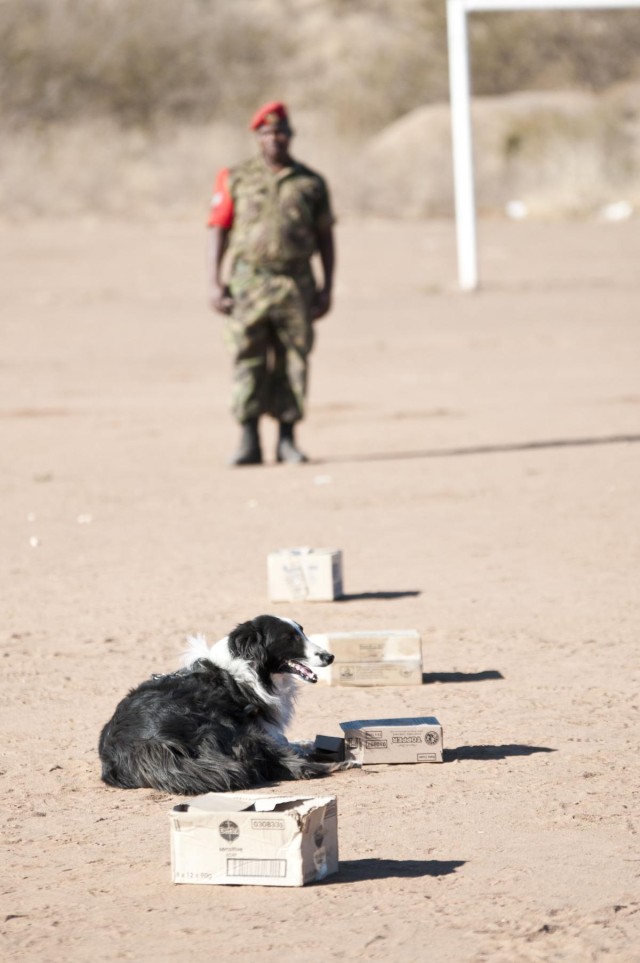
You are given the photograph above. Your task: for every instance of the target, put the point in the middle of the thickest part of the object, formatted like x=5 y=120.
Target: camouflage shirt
x=277 y=216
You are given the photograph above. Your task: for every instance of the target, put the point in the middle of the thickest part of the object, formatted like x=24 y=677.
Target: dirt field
x=477 y=458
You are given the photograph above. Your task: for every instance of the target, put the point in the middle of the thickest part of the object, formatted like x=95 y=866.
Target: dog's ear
x=244 y=642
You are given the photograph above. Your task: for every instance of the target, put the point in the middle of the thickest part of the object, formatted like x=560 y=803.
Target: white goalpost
x=460 y=94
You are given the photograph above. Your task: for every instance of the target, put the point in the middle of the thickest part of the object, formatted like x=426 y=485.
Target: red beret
x=269 y=115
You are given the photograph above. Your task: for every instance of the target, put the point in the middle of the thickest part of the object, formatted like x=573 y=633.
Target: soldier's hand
x=321 y=305
x=221 y=299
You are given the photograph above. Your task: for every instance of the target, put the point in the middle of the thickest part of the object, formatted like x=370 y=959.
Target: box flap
x=411 y=721
x=369 y=633
x=306 y=550
x=302 y=805
x=217 y=802
x=230 y=802
x=280 y=804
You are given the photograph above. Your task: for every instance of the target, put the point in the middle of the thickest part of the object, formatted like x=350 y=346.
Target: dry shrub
x=362 y=62
x=123 y=103
x=100 y=169
x=548 y=50
x=368 y=63
x=138 y=61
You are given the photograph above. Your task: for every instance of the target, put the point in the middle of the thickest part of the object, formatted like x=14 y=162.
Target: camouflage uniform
x=270 y=332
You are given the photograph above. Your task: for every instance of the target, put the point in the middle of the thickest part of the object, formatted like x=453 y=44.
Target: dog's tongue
x=299 y=669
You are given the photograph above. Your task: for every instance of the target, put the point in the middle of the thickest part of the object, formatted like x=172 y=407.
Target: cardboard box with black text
x=265 y=840
x=372 y=657
x=375 y=741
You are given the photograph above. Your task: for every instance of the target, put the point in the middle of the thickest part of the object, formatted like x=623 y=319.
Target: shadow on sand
x=355 y=870
x=486 y=449
x=428 y=678
x=378 y=596
x=492 y=752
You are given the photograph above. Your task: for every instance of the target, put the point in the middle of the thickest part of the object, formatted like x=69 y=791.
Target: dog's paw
x=304 y=748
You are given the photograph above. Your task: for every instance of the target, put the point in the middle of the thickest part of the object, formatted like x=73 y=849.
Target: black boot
x=286 y=450
x=249 y=451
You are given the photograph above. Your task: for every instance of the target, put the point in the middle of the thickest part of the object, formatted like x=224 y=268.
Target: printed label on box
x=378 y=741
x=405 y=672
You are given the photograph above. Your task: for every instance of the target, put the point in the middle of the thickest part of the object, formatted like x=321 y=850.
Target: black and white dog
x=218 y=723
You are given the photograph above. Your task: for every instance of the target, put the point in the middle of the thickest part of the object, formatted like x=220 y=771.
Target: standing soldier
x=270 y=215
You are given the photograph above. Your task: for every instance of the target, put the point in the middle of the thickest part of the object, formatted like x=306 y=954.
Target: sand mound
x=558 y=152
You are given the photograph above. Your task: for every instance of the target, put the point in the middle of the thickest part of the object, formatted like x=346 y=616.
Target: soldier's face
x=274 y=144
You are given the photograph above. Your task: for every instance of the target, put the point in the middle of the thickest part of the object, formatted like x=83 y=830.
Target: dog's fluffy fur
x=218 y=723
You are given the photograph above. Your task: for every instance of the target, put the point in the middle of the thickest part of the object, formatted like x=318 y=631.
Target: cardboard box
x=405 y=672
x=304 y=574
x=390 y=645
x=374 y=657
x=375 y=741
x=265 y=840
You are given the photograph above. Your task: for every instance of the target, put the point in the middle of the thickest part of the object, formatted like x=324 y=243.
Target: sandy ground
x=477 y=459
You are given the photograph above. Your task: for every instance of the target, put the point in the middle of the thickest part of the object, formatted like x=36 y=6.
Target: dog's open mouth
x=300 y=669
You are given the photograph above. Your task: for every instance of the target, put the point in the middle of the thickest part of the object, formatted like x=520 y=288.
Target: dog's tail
x=160 y=766
x=168 y=765
x=197 y=648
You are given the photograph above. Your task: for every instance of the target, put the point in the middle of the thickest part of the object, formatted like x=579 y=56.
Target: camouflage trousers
x=270 y=334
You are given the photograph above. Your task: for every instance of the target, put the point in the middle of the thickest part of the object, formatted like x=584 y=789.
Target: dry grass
x=130 y=106
x=139 y=63
x=556 y=50
x=365 y=63
x=93 y=167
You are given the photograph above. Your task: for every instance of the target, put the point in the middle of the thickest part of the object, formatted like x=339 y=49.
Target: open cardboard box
x=266 y=840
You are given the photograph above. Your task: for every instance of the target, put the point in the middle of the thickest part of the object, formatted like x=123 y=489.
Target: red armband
x=221 y=213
